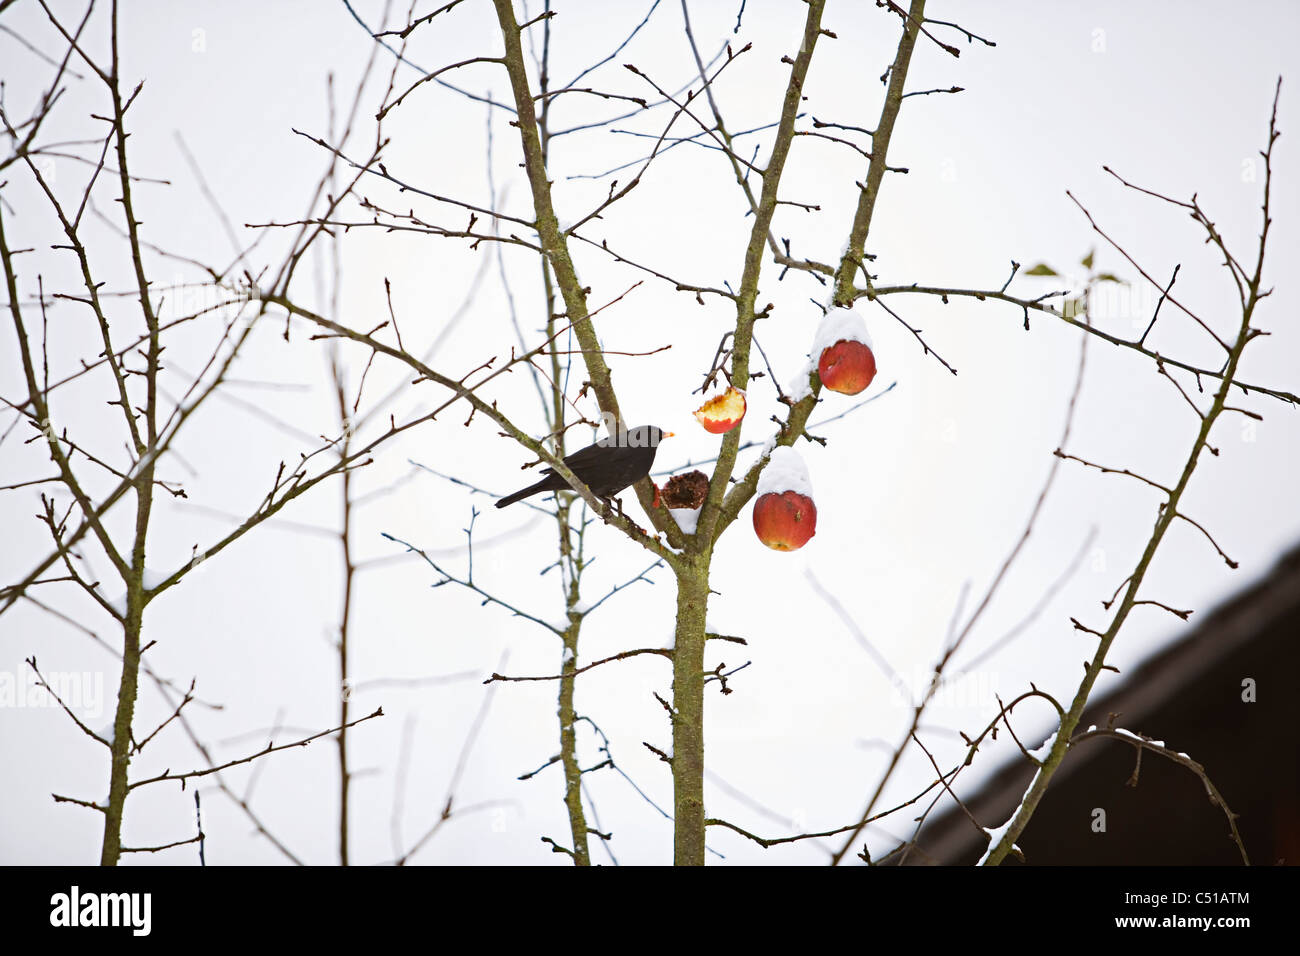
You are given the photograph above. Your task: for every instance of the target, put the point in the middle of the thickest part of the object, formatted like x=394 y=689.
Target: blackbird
x=606 y=467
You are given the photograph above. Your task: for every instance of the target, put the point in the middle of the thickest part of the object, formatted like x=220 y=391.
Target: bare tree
x=689 y=554
x=567 y=362
x=90 y=478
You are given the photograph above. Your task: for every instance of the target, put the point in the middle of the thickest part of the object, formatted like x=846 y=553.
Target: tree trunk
x=688 y=714
x=111 y=849
x=569 y=747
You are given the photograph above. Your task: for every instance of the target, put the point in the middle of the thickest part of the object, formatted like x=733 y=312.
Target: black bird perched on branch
x=607 y=467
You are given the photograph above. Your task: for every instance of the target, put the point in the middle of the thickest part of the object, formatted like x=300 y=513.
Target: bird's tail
x=522 y=493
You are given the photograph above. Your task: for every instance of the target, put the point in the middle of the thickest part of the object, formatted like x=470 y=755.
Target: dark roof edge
x=1146 y=688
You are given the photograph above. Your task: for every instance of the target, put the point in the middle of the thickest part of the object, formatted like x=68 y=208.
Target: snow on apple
x=846 y=362
x=785 y=518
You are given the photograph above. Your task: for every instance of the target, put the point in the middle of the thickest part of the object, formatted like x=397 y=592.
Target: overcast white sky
x=919 y=494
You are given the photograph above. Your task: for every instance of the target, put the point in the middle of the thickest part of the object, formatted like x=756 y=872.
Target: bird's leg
x=621 y=514
x=613 y=509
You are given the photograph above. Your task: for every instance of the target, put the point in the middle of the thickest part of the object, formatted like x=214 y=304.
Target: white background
x=919 y=494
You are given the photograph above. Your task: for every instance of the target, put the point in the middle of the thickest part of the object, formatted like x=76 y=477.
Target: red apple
x=847 y=366
x=785 y=517
x=785 y=521
x=722 y=412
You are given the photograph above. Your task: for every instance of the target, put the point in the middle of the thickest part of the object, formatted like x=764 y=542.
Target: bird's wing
x=582 y=458
x=586 y=456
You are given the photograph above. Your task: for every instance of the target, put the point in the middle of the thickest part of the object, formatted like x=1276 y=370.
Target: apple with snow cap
x=845 y=360
x=785 y=518
x=722 y=412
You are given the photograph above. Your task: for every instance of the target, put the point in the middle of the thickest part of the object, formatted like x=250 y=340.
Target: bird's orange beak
x=668 y=434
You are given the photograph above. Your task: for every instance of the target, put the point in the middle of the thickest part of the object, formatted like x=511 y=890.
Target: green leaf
x=1086 y=261
x=1042 y=269
x=1108 y=277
